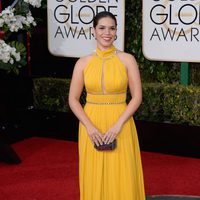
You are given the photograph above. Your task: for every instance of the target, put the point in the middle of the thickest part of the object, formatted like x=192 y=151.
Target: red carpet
x=49 y=171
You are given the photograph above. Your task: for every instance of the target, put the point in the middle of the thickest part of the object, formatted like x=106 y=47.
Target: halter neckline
x=106 y=54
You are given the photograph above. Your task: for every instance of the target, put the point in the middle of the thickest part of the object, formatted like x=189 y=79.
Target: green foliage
x=182 y=104
x=161 y=102
x=151 y=108
x=21 y=8
x=44 y=4
x=170 y=103
x=51 y=94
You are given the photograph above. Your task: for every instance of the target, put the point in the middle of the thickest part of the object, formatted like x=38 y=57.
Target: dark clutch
x=106 y=147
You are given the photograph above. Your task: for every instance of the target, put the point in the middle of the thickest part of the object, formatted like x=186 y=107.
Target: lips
x=107 y=38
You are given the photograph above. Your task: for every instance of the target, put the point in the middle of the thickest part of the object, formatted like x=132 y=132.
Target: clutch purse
x=106 y=147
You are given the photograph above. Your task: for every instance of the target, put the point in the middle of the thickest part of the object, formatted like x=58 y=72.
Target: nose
x=107 y=30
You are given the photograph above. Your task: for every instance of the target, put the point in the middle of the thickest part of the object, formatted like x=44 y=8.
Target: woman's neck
x=105 y=53
x=104 y=48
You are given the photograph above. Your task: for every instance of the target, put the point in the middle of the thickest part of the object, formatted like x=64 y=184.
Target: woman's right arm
x=76 y=88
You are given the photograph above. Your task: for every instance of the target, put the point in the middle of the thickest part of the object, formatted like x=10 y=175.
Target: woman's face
x=105 y=32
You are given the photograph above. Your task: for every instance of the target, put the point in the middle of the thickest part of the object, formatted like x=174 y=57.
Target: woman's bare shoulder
x=126 y=58
x=125 y=55
x=83 y=61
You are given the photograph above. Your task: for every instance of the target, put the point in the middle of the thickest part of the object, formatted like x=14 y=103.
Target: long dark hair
x=101 y=15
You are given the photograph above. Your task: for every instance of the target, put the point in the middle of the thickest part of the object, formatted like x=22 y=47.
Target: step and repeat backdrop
x=171 y=30
x=70 y=25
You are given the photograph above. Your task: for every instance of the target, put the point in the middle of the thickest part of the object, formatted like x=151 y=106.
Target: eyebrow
x=107 y=26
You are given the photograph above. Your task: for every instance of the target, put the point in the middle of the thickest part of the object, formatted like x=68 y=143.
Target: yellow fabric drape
x=117 y=174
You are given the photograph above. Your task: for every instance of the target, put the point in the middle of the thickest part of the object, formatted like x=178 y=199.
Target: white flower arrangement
x=34 y=3
x=13 y=20
x=8 y=54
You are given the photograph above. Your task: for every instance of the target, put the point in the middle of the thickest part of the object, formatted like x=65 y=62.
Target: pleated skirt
x=110 y=175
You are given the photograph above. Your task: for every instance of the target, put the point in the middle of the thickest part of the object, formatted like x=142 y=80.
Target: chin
x=107 y=44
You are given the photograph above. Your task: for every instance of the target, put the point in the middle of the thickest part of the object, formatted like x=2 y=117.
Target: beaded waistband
x=106 y=99
x=105 y=103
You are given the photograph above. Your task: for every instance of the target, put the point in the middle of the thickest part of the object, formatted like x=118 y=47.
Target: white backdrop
x=70 y=25
x=171 y=30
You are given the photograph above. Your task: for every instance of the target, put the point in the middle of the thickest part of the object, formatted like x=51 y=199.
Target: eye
x=113 y=28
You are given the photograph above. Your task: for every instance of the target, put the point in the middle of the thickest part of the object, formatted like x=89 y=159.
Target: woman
x=106 y=74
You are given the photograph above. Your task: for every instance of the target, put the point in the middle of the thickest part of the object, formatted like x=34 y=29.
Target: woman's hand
x=112 y=133
x=95 y=136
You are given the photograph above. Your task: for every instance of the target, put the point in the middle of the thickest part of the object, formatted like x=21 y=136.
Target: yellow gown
x=117 y=174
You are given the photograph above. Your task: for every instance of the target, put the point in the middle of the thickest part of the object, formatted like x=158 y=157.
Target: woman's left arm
x=135 y=87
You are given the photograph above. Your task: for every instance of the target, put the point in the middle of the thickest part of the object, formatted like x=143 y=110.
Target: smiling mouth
x=107 y=38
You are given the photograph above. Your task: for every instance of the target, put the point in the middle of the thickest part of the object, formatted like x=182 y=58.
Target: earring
x=115 y=37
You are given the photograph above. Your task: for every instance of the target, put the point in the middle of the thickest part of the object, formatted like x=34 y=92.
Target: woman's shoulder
x=126 y=58
x=125 y=55
x=83 y=61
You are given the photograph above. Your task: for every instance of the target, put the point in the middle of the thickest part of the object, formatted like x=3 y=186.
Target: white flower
x=17 y=56
x=34 y=3
x=11 y=60
x=8 y=53
x=7 y=11
x=12 y=21
x=29 y=19
x=15 y=22
x=1 y=22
